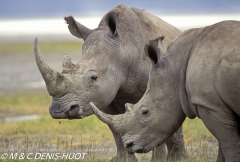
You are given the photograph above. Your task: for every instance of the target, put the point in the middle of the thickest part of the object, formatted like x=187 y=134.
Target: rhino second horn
x=128 y=107
x=67 y=63
x=49 y=75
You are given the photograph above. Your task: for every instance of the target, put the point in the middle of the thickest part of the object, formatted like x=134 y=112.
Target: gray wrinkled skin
x=113 y=69
x=198 y=76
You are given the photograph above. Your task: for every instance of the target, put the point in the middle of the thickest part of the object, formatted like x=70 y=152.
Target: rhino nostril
x=73 y=111
x=73 y=107
x=129 y=144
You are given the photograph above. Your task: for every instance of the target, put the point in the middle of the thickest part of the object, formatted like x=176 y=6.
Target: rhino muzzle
x=72 y=111
x=132 y=148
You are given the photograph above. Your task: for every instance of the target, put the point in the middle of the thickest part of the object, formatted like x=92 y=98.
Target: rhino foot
x=124 y=157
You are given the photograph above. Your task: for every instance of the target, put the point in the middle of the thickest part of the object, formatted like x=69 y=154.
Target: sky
x=26 y=19
x=55 y=8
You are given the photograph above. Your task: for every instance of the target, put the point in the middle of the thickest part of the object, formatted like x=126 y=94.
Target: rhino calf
x=198 y=76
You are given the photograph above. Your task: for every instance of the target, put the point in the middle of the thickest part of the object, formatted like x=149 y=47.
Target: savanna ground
x=22 y=92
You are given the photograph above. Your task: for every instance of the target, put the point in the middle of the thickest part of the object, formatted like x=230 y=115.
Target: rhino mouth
x=136 y=149
x=133 y=148
x=72 y=111
x=129 y=144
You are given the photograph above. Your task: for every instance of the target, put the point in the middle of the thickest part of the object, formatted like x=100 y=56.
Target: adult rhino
x=113 y=69
x=198 y=76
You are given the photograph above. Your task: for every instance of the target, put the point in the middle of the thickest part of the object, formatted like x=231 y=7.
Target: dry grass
x=193 y=130
x=88 y=134
x=45 y=47
x=25 y=104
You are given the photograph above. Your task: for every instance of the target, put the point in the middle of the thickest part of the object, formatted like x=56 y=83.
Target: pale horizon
x=53 y=29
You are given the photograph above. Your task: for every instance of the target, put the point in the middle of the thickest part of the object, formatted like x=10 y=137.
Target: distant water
x=56 y=28
x=19 y=118
x=51 y=29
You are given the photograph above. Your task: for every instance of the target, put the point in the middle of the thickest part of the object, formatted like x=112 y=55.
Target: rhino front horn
x=115 y=121
x=49 y=75
x=102 y=116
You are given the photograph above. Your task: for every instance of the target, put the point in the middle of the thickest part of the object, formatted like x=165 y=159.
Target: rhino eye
x=145 y=112
x=94 y=77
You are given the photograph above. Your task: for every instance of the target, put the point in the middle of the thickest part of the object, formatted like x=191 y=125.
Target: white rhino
x=198 y=76
x=113 y=69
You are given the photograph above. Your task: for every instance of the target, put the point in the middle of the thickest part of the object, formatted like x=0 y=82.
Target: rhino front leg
x=122 y=155
x=220 y=157
x=223 y=124
x=176 y=146
x=159 y=153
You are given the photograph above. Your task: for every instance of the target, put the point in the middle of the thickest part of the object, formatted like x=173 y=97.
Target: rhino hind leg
x=224 y=125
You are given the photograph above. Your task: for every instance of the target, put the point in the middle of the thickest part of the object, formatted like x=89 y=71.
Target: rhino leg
x=159 y=153
x=223 y=123
x=122 y=154
x=220 y=157
x=176 y=146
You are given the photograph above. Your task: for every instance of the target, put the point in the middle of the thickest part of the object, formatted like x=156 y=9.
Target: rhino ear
x=152 y=53
x=112 y=21
x=154 y=50
x=158 y=42
x=77 y=29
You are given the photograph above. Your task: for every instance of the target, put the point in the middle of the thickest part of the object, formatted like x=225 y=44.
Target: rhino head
x=157 y=115
x=103 y=67
x=72 y=89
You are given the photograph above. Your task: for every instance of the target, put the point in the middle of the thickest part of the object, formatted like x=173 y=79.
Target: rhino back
x=214 y=67
x=150 y=25
x=154 y=27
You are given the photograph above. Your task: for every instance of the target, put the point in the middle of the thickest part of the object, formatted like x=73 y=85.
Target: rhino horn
x=67 y=63
x=101 y=115
x=112 y=120
x=77 y=29
x=128 y=107
x=49 y=75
